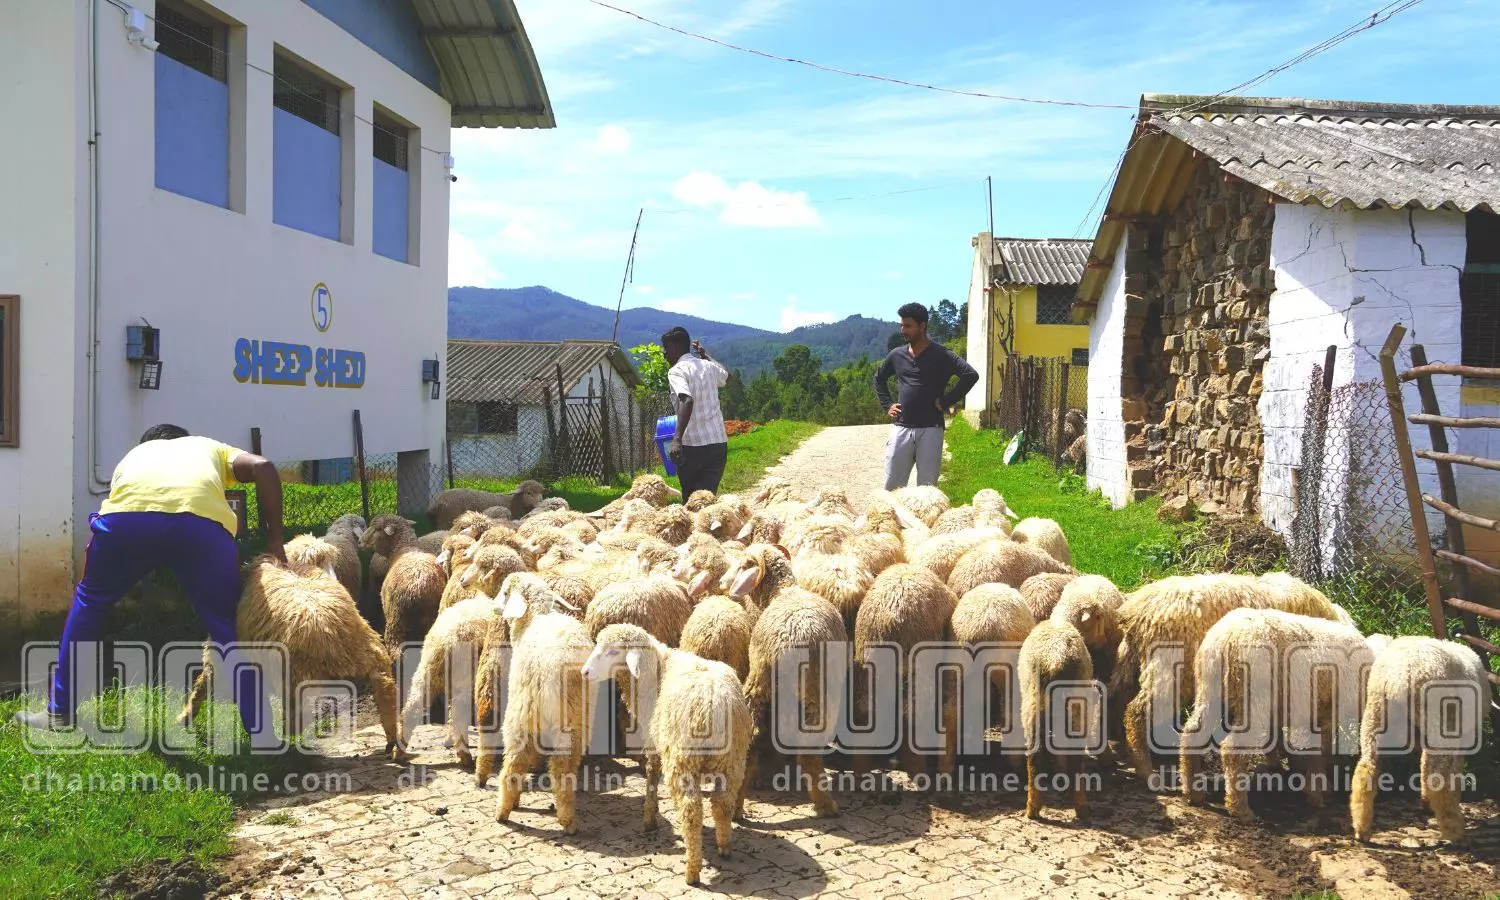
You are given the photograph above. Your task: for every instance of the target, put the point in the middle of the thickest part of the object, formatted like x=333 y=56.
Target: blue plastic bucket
x=666 y=426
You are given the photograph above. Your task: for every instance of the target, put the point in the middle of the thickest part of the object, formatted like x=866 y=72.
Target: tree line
x=797 y=387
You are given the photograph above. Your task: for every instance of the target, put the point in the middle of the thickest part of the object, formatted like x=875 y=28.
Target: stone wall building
x=1244 y=237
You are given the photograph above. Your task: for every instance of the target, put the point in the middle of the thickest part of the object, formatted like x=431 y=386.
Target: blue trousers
x=126 y=547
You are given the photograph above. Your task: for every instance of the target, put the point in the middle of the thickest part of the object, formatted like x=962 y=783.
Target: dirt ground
x=424 y=830
x=851 y=457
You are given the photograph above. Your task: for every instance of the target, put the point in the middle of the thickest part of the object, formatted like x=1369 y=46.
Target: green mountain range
x=542 y=314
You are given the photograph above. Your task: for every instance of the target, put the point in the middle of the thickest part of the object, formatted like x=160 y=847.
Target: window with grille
x=1054 y=303
x=391 y=139
x=305 y=95
x=495 y=417
x=193 y=40
x=1479 y=292
x=1080 y=356
x=10 y=371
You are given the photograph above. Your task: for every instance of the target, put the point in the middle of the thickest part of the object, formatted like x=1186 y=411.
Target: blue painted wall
x=390 y=28
x=192 y=133
x=392 y=209
x=306 y=186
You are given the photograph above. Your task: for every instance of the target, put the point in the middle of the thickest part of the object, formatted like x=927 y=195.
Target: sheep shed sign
x=282 y=363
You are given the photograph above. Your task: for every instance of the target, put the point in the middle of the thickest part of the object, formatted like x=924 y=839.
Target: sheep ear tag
x=633 y=662
x=515 y=606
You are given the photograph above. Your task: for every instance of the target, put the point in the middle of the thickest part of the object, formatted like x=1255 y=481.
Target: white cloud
x=467 y=267
x=612 y=140
x=642 y=289
x=748 y=203
x=683 y=306
x=793 y=318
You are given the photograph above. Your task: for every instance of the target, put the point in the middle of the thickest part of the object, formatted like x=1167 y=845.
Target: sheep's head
x=386 y=532
x=472 y=524
x=491 y=566
x=530 y=493
x=523 y=597
x=630 y=645
x=352 y=524
x=634 y=515
x=548 y=504
x=774 y=489
x=699 y=499
x=454 y=548
x=651 y=488
x=653 y=552
x=989 y=502
x=304 y=551
x=831 y=501
x=820 y=534
x=672 y=523
x=766 y=568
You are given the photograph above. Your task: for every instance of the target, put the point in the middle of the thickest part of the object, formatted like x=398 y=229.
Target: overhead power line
x=852 y=74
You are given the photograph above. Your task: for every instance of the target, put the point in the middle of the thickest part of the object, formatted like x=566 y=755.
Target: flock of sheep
x=700 y=597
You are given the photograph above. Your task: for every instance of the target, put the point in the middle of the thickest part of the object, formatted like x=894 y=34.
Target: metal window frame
x=218 y=45
x=1062 y=289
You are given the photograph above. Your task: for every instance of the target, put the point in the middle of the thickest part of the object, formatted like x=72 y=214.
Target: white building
x=265 y=183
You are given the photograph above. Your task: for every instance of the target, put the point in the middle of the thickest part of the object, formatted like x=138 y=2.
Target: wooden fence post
x=359 y=455
x=1409 y=476
x=1062 y=414
x=448 y=452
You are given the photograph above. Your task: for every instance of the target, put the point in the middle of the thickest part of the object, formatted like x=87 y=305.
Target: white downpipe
x=97 y=486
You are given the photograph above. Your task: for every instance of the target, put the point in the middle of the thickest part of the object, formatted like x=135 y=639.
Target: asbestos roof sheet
x=489 y=72
x=522 y=372
x=1363 y=154
x=1041 y=260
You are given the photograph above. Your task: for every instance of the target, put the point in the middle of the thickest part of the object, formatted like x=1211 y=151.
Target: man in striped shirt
x=700 y=445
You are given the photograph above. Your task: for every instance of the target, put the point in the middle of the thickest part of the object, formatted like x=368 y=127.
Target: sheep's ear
x=633 y=662
x=467 y=578
x=745 y=532
x=411 y=522
x=515 y=606
x=784 y=551
x=328 y=570
x=715 y=525
x=906 y=517
x=1085 y=617
x=564 y=604
x=745 y=582
x=674 y=492
x=699 y=585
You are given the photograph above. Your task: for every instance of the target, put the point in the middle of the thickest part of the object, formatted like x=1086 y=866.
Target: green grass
x=1129 y=545
x=68 y=820
x=751 y=454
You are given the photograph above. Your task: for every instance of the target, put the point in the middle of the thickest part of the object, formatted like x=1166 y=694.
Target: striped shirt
x=699 y=379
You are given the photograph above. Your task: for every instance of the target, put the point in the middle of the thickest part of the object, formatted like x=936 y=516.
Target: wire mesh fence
x=1045 y=401
x=1351 y=533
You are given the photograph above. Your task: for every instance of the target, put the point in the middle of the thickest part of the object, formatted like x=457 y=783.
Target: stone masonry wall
x=1198 y=295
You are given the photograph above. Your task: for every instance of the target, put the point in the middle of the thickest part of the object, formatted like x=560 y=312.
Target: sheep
x=483 y=576
x=447 y=505
x=819 y=533
x=992 y=614
x=699 y=728
x=650 y=488
x=493 y=667
x=699 y=499
x=432 y=542
x=548 y=504
x=1042 y=592
x=460 y=628
x=773 y=489
x=561 y=518
x=907 y=606
x=472 y=524
x=1090 y=603
x=702 y=564
x=1402 y=670
x=313 y=616
x=545 y=709
x=719 y=628
x=1052 y=652
x=454 y=558
x=344 y=534
x=941 y=552
x=879 y=535
x=722 y=520
x=308 y=552
x=839 y=578
x=1175 y=612
x=654 y=602
x=654 y=555
x=1002 y=561
x=671 y=523
x=575 y=592
x=1240 y=638
x=761 y=528
x=794 y=621
x=502 y=534
x=926 y=502
x=413 y=587
x=1046 y=535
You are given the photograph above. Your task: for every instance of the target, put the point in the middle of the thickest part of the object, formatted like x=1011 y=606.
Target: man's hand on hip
x=894 y=411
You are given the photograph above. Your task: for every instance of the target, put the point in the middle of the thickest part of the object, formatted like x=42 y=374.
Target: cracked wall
x=1197 y=293
x=1343 y=278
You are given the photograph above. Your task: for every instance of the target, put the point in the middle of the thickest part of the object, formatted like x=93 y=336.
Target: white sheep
x=455 y=640
x=1046 y=535
x=1400 y=676
x=1053 y=652
x=698 y=723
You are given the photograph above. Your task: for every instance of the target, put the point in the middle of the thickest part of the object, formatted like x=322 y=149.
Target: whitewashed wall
x=1343 y=278
x=1106 y=428
x=980 y=353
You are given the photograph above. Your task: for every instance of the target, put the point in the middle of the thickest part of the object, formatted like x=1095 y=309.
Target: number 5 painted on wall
x=322 y=307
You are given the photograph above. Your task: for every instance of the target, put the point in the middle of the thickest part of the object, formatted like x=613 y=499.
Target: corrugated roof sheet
x=521 y=371
x=1330 y=152
x=489 y=72
x=1365 y=154
x=1041 y=260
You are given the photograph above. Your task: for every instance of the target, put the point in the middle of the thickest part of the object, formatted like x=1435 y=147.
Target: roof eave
x=461 y=54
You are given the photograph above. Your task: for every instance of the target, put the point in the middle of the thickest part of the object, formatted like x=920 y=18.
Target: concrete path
x=850 y=456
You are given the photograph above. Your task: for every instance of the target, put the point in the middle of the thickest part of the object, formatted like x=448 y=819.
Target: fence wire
x=1045 y=400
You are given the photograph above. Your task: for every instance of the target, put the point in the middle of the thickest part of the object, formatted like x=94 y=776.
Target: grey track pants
x=922 y=447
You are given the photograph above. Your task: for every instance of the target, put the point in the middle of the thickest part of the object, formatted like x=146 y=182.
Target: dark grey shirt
x=922 y=382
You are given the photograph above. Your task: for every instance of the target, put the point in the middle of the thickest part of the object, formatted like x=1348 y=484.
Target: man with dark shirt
x=923 y=370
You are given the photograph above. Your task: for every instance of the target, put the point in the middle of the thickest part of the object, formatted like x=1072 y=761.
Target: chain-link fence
x=1045 y=400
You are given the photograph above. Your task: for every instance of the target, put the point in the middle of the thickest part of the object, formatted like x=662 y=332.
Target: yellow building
x=1020 y=302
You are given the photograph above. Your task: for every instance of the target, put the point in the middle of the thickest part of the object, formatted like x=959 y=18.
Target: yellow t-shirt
x=184 y=475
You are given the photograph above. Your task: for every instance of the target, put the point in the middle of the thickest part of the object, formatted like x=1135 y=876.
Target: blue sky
x=734 y=156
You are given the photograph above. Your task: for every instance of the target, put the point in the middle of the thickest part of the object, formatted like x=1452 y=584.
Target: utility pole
x=629 y=269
